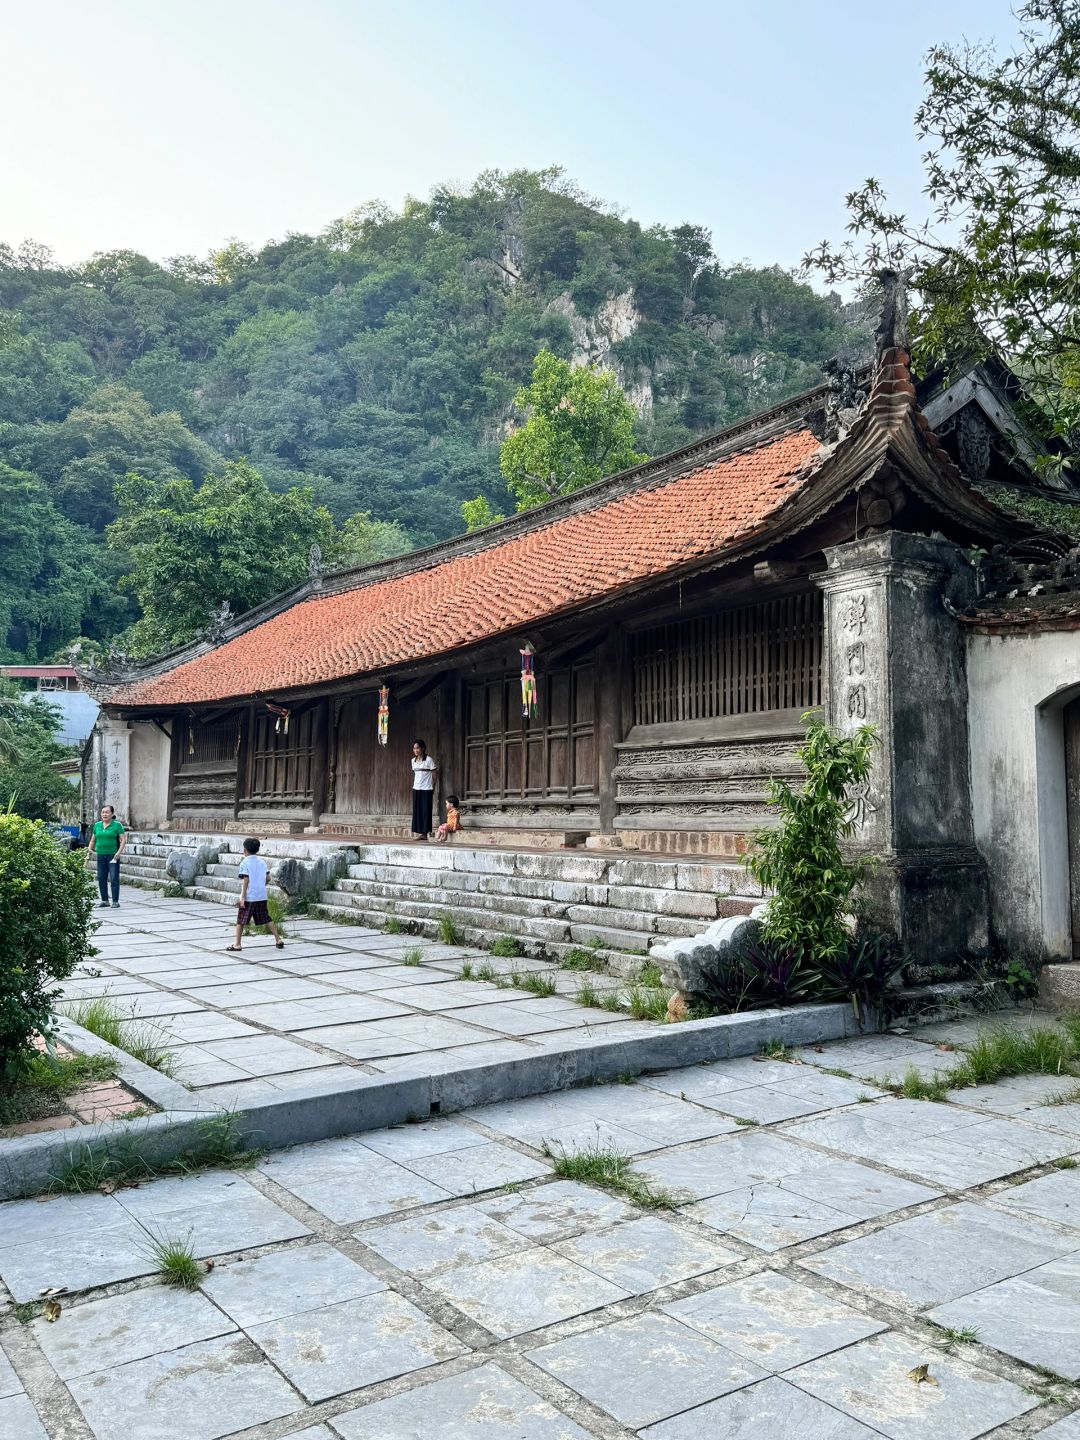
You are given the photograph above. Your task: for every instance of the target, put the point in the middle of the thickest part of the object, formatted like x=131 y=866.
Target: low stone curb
x=29 y=1164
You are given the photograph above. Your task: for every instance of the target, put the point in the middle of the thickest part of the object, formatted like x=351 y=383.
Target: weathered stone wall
x=1019 y=684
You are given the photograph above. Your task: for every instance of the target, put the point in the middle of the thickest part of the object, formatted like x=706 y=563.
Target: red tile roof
x=463 y=598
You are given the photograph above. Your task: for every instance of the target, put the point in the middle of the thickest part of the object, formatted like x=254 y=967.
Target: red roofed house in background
x=683 y=615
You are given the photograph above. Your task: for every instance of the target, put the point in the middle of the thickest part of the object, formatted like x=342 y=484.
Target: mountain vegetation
x=173 y=436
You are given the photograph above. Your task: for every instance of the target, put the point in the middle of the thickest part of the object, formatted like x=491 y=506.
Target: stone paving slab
x=439 y=1280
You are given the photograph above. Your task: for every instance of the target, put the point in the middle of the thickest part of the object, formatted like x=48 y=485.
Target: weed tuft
x=123 y=1160
x=647 y=1004
x=948 y=1339
x=775 y=1050
x=535 y=982
x=484 y=971
x=1066 y=1162
x=611 y=1170
x=587 y=995
x=413 y=956
x=507 y=947
x=394 y=926
x=175 y=1260
x=466 y=972
x=140 y=1039
x=650 y=976
x=578 y=959
x=449 y=934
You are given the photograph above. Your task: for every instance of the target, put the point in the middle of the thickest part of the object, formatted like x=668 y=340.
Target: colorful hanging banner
x=384 y=713
x=281 y=724
x=529 y=698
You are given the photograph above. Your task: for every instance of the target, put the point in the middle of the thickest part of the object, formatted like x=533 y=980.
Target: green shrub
x=507 y=946
x=801 y=860
x=46 y=905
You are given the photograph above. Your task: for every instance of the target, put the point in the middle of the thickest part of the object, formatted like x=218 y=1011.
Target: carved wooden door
x=1072 y=794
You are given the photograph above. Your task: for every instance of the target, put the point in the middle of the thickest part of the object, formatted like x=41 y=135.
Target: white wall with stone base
x=1018 y=685
x=128 y=767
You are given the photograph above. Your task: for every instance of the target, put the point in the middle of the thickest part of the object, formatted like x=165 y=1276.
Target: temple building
x=674 y=624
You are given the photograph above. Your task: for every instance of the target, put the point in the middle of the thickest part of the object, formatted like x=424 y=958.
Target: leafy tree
x=28 y=752
x=580 y=428
x=364 y=541
x=996 y=261
x=192 y=548
x=478 y=513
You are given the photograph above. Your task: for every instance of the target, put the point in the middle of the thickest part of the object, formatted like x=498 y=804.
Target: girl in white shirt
x=423 y=790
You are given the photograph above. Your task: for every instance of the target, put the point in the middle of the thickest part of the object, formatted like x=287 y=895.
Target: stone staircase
x=551 y=902
x=143 y=863
x=614 y=905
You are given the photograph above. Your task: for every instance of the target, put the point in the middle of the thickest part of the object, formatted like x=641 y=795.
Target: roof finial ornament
x=844 y=403
x=892 y=331
x=219 y=623
x=315 y=567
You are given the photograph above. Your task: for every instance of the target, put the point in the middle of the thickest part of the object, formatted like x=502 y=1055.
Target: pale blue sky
x=169 y=126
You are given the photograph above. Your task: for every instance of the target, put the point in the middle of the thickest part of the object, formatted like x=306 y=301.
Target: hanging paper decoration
x=191 y=733
x=384 y=713
x=529 y=699
x=281 y=725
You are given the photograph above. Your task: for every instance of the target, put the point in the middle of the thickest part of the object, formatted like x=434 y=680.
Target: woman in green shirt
x=107 y=844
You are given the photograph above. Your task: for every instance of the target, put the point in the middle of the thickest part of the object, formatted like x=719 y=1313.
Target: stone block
x=716 y=879
x=560 y=866
x=644 y=872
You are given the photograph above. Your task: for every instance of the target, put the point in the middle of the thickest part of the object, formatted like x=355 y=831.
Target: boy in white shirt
x=252 y=906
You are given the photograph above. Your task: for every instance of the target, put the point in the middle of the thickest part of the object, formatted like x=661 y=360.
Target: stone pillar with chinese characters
x=894 y=658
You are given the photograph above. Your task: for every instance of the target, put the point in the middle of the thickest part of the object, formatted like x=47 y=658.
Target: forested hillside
x=375 y=363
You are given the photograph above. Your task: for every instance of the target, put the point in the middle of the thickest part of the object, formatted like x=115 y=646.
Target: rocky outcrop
x=594 y=338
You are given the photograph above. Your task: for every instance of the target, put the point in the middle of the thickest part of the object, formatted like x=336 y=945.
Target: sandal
x=279 y=944
x=232 y=947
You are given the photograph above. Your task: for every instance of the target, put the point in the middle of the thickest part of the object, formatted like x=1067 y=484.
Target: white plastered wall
x=148 y=789
x=1018 y=685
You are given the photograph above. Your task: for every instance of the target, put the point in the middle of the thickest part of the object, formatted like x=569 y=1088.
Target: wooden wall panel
x=375 y=781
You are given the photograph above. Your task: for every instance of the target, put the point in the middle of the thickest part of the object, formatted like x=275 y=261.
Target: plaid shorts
x=254 y=912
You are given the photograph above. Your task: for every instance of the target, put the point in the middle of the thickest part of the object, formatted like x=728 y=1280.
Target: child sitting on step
x=452 y=824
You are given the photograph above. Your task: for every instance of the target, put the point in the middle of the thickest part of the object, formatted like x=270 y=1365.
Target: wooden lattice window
x=209 y=742
x=731 y=662
x=550 y=757
x=282 y=766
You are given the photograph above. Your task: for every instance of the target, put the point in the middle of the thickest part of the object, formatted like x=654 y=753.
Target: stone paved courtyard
x=839 y=1265
x=335 y=1000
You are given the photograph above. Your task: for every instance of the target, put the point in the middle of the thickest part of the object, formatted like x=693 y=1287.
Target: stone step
x=140 y=882
x=133 y=870
x=625 y=965
x=517 y=908
x=204 y=891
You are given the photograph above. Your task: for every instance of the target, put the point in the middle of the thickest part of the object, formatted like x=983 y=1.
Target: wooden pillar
x=609 y=722
x=448 y=721
x=320 y=758
x=178 y=732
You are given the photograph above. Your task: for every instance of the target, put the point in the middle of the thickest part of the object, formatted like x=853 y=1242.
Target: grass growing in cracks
x=533 y=981
x=104 y=1018
x=611 y=1170
x=216 y=1144
x=506 y=946
x=413 y=956
x=175 y=1261
x=998 y=1054
x=449 y=933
